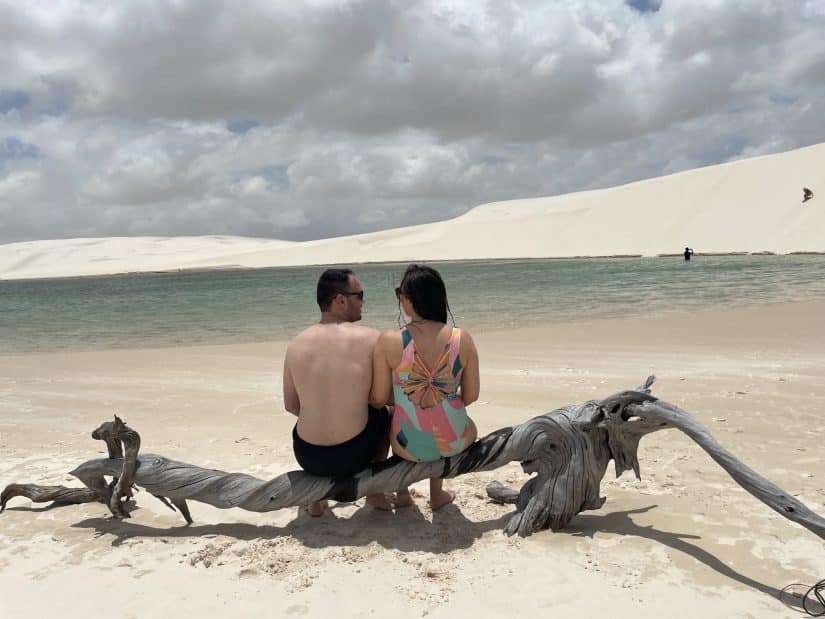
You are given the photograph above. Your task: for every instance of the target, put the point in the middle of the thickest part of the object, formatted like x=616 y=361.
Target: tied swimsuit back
x=430 y=420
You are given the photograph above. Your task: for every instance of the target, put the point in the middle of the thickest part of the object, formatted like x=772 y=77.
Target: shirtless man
x=327 y=378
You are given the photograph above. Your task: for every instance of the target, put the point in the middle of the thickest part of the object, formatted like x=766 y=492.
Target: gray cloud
x=311 y=119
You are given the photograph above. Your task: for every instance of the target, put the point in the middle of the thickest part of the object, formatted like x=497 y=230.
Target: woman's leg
x=471 y=433
x=438 y=496
x=403 y=496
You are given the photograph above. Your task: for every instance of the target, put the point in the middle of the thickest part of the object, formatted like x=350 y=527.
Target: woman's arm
x=381 y=390
x=470 y=380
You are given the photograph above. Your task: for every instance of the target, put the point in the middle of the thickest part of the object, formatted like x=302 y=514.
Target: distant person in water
x=688 y=253
x=807 y=194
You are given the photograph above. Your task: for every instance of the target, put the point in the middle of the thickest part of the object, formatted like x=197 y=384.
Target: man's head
x=340 y=294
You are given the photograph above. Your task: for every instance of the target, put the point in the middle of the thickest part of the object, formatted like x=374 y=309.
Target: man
x=327 y=378
x=688 y=253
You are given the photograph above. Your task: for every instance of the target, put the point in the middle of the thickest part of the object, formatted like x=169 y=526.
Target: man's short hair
x=331 y=283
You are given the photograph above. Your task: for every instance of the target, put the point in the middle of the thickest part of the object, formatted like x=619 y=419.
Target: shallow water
x=210 y=307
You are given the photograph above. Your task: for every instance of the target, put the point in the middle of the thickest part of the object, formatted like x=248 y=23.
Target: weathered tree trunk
x=568 y=450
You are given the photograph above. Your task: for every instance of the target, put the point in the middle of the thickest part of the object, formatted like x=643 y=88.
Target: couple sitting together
x=339 y=376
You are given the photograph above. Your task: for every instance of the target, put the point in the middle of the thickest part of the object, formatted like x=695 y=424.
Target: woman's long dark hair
x=425 y=289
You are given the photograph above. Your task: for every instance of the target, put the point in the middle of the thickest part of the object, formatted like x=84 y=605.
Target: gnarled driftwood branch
x=568 y=450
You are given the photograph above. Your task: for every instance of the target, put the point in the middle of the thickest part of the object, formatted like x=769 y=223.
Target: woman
x=431 y=371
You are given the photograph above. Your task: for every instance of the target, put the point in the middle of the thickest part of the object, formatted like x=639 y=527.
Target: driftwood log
x=568 y=450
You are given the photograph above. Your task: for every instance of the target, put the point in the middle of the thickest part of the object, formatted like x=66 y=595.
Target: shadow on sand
x=621 y=523
x=406 y=529
x=409 y=529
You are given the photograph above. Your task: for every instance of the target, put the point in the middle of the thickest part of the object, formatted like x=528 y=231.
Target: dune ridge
x=746 y=206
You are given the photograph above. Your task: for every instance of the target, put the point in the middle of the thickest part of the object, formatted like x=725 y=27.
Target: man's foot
x=379 y=501
x=403 y=498
x=316 y=508
x=445 y=497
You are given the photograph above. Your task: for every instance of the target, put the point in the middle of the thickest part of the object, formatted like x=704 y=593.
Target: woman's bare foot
x=439 y=500
x=379 y=501
x=316 y=508
x=403 y=498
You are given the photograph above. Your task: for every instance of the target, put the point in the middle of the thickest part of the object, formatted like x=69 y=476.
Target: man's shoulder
x=360 y=329
x=306 y=333
x=343 y=329
x=361 y=333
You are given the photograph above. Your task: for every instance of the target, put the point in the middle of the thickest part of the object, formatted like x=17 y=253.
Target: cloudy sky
x=301 y=120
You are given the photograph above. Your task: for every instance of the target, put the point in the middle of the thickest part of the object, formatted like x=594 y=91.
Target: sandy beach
x=685 y=541
x=609 y=191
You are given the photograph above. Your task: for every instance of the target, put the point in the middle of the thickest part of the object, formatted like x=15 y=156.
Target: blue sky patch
x=645 y=6
x=783 y=99
x=14 y=148
x=12 y=100
x=276 y=174
x=241 y=125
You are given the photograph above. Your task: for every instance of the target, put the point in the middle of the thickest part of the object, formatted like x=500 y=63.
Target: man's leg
x=305 y=453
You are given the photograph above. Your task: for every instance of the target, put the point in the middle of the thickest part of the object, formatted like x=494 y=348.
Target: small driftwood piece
x=43 y=494
x=62 y=495
x=568 y=450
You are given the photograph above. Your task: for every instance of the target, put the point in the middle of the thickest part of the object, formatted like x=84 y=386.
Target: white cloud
x=307 y=119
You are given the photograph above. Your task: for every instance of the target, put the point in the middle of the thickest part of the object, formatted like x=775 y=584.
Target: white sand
x=752 y=205
x=683 y=542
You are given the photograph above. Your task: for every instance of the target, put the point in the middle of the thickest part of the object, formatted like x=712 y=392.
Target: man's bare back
x=327 y=379
x=330 y=366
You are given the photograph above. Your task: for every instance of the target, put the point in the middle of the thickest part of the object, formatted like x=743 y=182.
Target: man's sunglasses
x=359 y=294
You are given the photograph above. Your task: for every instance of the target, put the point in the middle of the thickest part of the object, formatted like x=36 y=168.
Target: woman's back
x=430 y=420
x=432 y=372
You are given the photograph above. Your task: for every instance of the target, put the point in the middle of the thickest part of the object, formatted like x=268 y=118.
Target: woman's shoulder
x=466 y=344
x=395 y=331
x=461 y=332
x=390 y=336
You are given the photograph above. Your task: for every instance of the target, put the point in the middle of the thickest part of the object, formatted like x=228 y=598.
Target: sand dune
x=752 y=205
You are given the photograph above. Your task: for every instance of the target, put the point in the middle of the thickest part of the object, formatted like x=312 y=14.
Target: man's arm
x=291 y=401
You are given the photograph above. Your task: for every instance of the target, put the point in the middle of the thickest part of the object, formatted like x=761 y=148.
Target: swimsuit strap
x=455 y=347
x=409 y=352
x=408 y=349
x=455 y=344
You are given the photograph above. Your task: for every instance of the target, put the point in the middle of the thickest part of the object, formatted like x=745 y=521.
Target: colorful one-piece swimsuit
x=430 y=420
